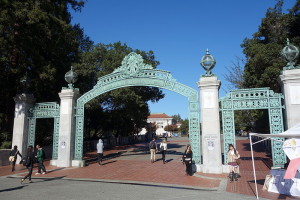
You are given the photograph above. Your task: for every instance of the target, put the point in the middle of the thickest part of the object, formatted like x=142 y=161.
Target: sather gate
x=40 y=111
x=133 y=72
x=250 y=99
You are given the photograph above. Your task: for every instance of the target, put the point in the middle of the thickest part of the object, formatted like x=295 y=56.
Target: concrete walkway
x=131 y=165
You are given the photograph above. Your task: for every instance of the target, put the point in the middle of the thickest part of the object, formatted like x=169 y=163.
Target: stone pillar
x=20 y=131
x=290 y=84
x=210 y=118
x=66 y=139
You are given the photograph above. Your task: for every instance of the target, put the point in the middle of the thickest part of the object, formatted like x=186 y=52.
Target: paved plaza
x=128 y=174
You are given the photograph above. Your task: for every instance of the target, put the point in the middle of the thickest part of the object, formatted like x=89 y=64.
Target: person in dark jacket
x=40 y=155
x=153 y=150
x=187 y=159
x=13 y=157
x=29 y=163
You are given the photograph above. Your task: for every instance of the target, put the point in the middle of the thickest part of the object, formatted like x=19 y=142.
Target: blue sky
x=178 y=32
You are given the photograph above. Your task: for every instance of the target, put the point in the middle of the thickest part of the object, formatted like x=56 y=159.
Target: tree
x=122 y=111
x=263 y=62
x=151 y=127
x=37 y=39
x=177 y=117
x=184 y=128
x=171 y=128
x=235 y=75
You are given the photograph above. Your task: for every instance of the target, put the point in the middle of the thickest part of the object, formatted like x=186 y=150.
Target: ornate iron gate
x=133 y=72
x=250 y=99
x=44 y=110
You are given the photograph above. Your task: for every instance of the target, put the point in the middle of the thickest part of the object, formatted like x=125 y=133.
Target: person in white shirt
x=163 y=148
x=100 y=147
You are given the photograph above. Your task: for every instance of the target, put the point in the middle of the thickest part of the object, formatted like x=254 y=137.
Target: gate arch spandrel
x=133 y=72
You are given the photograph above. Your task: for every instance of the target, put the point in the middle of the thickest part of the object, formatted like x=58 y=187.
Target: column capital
x=290 y=76
x=69 y=93
x=209 y=82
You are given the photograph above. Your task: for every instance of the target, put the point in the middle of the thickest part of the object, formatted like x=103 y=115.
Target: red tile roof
x=159 y=115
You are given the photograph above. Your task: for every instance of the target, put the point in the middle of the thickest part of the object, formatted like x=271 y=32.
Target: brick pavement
x=131 y=163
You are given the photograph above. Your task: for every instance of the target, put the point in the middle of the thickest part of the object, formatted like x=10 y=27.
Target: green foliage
x=5 y=140
x=177 y=117
x=37 y=38
x=5 y=145
x=263 y=63
x=122 y=111
x=184 y=128
x=262 y=52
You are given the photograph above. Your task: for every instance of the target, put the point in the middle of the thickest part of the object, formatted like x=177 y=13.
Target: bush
x=6 y=145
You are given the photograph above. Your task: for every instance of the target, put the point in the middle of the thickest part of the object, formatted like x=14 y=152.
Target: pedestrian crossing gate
x=251 y=99
x=134 y=72
x=44 y=110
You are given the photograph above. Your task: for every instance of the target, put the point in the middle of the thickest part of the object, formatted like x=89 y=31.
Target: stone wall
x=4 y=155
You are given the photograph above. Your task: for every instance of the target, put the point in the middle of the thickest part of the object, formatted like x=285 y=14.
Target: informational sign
x=63 y=144
x=210 y=141
x=280 y=185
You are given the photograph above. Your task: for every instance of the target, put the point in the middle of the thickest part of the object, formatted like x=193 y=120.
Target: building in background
x=161 y=120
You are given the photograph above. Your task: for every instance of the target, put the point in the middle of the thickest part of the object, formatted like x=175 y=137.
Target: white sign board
x=210 y=141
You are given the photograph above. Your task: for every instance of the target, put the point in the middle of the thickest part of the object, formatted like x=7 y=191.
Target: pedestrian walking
x=28 y=161
x=40 y=156
x=163 y=148
x=232 y=157
x=13 y=157
x=100 y=148
x=187 y=159
x=153 y=150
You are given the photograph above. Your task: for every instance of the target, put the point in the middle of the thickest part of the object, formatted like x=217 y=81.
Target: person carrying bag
x=13 y=157
x=187 y=160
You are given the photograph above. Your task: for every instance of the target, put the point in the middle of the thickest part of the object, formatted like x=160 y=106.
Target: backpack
x=25 y=160
x=152 y=145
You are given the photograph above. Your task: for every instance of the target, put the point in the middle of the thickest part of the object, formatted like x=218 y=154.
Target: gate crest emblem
x=132 y=64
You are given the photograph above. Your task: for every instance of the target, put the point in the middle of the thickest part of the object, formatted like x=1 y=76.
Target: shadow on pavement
x=41 y=179
x=149 y=185
x=106 y=157
x=13 y=189
x=169 y=160
x=54 y=170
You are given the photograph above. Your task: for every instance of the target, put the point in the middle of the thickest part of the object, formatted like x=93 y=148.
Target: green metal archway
x=42 y=111
x=134 y=72
x=251 y=99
